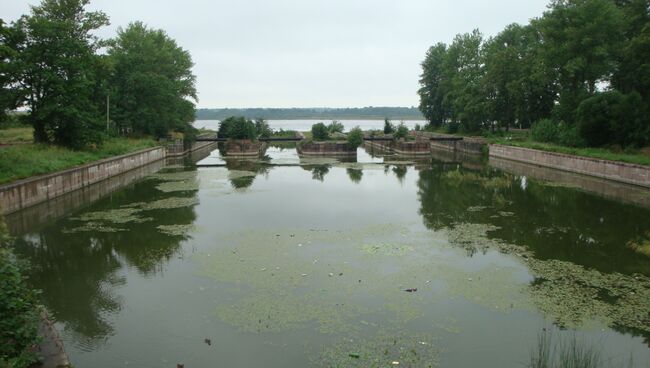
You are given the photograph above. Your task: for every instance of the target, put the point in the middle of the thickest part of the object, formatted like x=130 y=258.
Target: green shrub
x=545 y=131
x=237 y=127
x=319 y=132
x=595 y=115
x=355 y=137
x=262 y=128
x=452 y=128
x=569 y=136
x=389 y=128
x=632 y=124
x=402 y=131
x=335 y=127
x=19 y=314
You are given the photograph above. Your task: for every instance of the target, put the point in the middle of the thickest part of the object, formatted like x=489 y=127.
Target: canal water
x=386 y=261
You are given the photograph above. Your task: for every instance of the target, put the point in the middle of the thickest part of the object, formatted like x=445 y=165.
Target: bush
x=595 y=115
x=418 y=127
x=569 y=136
x=335 y=127
x=237 y=127
x=19 y=315
x=389 y=128
x=262 y=128
x=452 y=128
x=631 y=126
x=319 y=132
x=546 y=131
x=402 y=131
x=355 y=137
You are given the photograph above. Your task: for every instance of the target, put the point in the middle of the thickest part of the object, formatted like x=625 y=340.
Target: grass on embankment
x=599 y=153
x=25 y=160
x=521 y=138
x=16 y=135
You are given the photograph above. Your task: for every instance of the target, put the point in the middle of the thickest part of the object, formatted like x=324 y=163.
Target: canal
x=386 y=261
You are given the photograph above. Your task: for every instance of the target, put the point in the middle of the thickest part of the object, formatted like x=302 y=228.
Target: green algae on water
x=116 y=216
x=175 y=230
x=569 y=293
x=386 y=249
x=170 y=203
x=93 y=227
x=178 y=186
x=414 y=350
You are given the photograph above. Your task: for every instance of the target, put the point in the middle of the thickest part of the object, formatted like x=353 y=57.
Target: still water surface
x=287 y=262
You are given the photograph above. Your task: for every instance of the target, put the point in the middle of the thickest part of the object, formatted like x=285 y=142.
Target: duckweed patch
x=386 y=249
x=566 y=292
x=116 y=216
x=273 y=312
x=170 y=203
x=385 y=350
x=92 y=227
x=178 y=186
x=175 y=230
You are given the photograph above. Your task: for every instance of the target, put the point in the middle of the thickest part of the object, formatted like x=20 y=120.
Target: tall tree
x=58 y=74
x=152 y=81
x=432 y=91
x=464 y=66
x=581 y=40
x=519 y=88
x=10 y=92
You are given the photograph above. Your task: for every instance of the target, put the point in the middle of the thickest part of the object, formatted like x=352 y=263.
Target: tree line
x=68 y=80
x=370 y=112
x=579 y=75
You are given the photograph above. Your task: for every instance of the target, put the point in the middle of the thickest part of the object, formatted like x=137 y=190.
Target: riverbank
x=20 y=161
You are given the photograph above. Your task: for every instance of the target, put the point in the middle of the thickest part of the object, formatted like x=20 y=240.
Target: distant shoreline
x=363 y=113
x=410 y=118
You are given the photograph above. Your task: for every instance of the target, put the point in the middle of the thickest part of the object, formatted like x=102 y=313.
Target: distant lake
x=305 y=125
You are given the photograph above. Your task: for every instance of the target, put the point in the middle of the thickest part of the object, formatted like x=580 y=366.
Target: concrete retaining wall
x=628 y=193
x=25 y=193
x=245 y=148
x=326 y=149
x=612 y=170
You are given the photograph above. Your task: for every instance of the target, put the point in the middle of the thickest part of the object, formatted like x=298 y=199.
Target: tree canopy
x=576 y=51
x=50 y=64
x=152 y=81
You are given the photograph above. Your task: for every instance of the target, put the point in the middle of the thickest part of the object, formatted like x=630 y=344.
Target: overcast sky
x=308 y=53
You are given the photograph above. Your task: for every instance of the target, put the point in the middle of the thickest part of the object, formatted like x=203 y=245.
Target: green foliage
x=452 y=128
x=418 y=127
x=432 y=93
x=581 y=41
x=61 y=71
x=545 y=70
x=401 y=132
x=319 y=132
x=355 y=137
x=25 y=160
x=335 y=127
x=152 y=83
x=389 y=128
x=545 y=131
x=613 y=117
x=262 y=128
x=237 y=127
x=19 y=313
x=10 y=92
